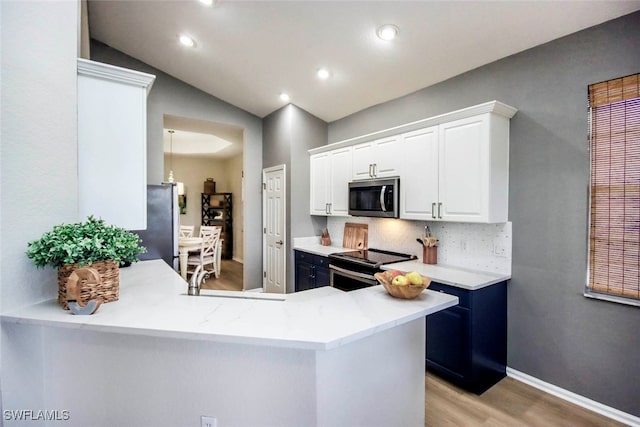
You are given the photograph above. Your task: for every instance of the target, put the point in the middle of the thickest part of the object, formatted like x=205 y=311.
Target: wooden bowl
x=403 y=292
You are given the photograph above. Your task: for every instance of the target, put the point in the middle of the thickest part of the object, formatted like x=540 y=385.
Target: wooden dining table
x=193 y=244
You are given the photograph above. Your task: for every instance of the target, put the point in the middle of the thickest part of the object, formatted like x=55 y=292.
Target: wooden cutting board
x=356 y=236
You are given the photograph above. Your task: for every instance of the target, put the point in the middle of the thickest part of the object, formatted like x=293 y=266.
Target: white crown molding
x=116 y=74
x=577 y=399
x=495 y=107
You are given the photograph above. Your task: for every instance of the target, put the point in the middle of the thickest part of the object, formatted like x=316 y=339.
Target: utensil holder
x=429 y=254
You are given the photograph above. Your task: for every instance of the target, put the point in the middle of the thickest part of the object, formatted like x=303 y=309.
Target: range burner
x=355 y=269
x=373 y=258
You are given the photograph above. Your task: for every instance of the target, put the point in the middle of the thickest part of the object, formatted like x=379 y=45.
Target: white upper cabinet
x=474 y=166
x=319 y=178
x=466 y=187
x=112 y=144
x=419 y=173
x=330 y=174
x=377 y=159
x=459 y=171
x=341 y=161
x=452 y=167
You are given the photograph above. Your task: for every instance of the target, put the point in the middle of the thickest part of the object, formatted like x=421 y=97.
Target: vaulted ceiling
x=248 y=52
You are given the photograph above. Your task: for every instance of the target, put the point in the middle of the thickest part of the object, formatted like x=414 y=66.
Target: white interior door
x=274 y=237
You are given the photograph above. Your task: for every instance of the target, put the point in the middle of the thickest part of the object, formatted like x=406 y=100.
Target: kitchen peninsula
x=160 y=357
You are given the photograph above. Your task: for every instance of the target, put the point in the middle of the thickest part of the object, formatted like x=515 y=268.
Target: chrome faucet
x=196 y=281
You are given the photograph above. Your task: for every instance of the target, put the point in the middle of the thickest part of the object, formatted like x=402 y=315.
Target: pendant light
x=171 y=178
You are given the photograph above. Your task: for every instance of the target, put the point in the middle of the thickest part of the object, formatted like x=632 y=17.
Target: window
x=614 y=234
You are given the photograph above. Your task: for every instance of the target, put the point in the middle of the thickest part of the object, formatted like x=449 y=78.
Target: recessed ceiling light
x=323 y=73
x=388 y=32
x=187 y=41
x=284 y=97
x=207 y=2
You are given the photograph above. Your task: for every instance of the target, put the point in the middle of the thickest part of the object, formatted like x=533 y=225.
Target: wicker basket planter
x=107 y=290
x=92 y=243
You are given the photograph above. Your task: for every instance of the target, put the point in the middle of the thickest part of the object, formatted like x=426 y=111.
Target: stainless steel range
x=355 y=269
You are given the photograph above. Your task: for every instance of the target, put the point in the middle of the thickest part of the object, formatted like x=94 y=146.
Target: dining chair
x=220 y=241
x=209 y=227
x=208 y=252
x=186 y=230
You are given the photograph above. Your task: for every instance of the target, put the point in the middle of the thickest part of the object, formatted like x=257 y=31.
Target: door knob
x=279 y=242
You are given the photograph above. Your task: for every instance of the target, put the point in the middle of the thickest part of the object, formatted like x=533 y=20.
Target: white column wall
x=38 y=139
x=38 y=144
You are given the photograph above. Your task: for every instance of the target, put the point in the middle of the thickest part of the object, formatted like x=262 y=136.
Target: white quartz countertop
x=318 y=249
x=153 y=302
x=445 y=274
x=449 y=275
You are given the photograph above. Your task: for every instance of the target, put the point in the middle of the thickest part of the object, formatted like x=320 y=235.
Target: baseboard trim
x=240 y=260
x=577 y=399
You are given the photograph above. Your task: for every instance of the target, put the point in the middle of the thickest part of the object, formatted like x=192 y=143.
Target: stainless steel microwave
x=375 y=197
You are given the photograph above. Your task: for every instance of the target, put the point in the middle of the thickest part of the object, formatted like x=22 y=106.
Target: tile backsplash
x=485 y=247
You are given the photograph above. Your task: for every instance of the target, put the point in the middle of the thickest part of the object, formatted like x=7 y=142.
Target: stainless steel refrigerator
x=163 y=224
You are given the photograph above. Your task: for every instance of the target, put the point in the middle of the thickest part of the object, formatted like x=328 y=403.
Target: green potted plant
x=92 y=243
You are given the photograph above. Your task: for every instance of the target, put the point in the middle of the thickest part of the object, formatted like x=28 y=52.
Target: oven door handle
x=361 y=277
x=382 y=204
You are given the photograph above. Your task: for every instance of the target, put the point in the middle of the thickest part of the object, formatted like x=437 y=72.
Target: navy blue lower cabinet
x=322 y=275
x=467 y=343
x=304 y=275
x=312 y=271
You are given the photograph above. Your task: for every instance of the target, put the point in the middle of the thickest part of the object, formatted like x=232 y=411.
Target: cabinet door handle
x=375 y=170
x=326 y=208
x=370 y=170
x=433 y=210
x=439 y=209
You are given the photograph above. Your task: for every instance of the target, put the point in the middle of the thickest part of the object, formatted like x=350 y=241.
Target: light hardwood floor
x=508 y=403
x=230 y=277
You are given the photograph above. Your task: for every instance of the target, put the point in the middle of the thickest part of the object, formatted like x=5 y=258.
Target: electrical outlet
x=206 y=421
x=500 y=250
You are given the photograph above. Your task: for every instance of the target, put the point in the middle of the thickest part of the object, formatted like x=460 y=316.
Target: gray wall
x=307 y=132
x=586 y=346
x=276 y=138
x=171 y=96
x=287 y=135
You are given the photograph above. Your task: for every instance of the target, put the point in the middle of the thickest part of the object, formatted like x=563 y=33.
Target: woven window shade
x=615 y=187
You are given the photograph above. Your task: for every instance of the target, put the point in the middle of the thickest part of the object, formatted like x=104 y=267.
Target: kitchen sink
x=240 y=295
